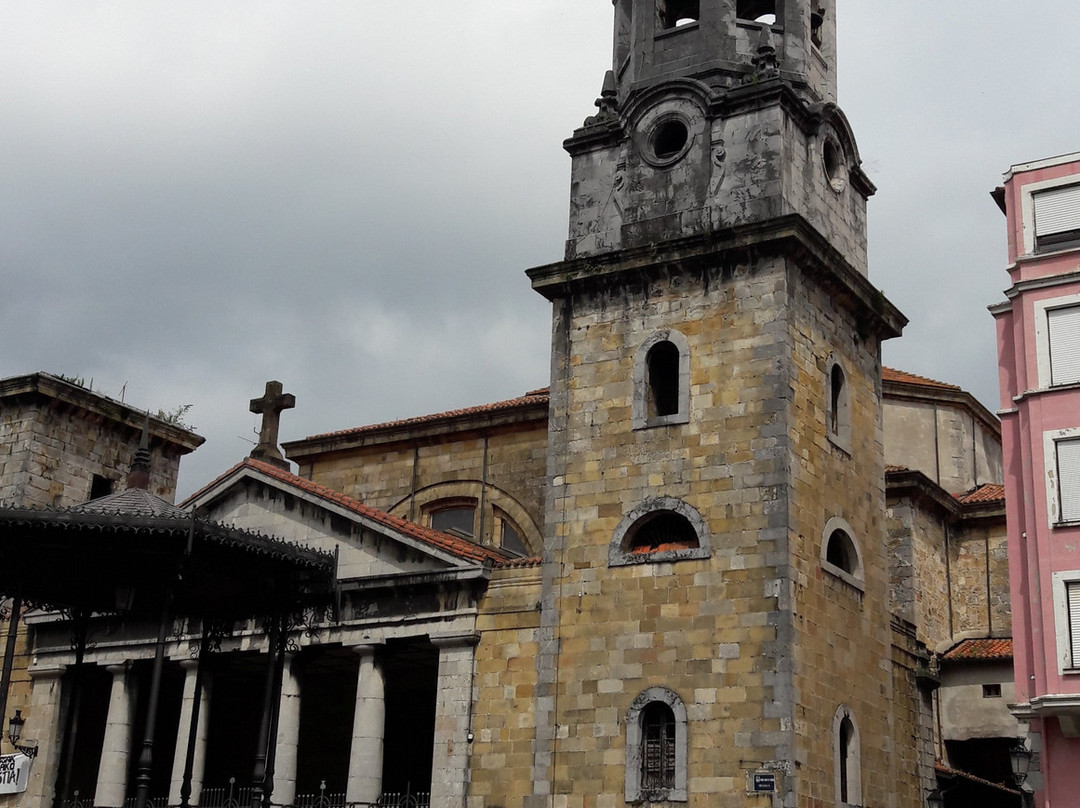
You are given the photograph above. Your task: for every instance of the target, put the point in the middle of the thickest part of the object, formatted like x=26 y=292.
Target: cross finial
x=270 y=406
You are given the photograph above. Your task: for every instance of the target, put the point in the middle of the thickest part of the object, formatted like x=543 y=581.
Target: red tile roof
x=903 y=377
x=984 y=650
x=987 y=492
x=941 y=768
x=461 y=548
x=530 y=399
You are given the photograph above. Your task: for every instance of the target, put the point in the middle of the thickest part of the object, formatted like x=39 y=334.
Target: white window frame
x=1061 y=580
x=1041 y=309
x=855 y=578
x=1050 y=468
x=642 y=391
x=1028 y=193
x=854 y=758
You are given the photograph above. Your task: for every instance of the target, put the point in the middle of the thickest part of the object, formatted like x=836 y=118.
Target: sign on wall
x=14 y=773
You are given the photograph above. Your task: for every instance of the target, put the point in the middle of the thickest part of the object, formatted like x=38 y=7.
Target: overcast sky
x=198 y=197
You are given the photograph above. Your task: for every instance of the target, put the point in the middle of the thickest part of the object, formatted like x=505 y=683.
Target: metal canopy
x=93 y=560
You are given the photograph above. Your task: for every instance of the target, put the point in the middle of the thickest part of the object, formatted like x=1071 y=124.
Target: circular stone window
x=833 y=159
x=667 y=140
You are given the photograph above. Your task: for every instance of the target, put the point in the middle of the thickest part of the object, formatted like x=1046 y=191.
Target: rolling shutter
x=1068 y=463
x=1064 y=328
x=1057 y=210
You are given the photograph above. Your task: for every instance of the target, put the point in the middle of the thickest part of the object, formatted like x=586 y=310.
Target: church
x=723 y=558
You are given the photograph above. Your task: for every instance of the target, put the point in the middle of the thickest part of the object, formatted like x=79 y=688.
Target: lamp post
x=15 y=727
x=935 y=799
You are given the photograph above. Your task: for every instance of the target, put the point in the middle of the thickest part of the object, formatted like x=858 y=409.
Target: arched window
x=661 y=529
x=656 y=747
x=847 y=763
x=838 y=410
x=675 y=13
x=662 y=380
x=457 y=517
x=757 y=10
x=840 y=553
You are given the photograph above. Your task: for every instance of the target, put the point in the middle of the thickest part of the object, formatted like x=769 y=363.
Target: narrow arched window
x=847 y=758
x=847 y=732
x=662 y=380
x=657 y=747
x=838 y=409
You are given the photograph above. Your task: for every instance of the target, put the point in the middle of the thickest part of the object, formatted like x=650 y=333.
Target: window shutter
x=1068 y=467
x=1064 y=328
x=1072 y=593
x=1057 y=210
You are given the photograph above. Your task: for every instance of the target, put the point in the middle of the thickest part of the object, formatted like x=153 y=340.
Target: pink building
x=1038 y=331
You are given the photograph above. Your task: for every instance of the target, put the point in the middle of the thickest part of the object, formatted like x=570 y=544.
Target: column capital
x=460 y=640
x=118 y=668
x=190 y=663
x=54 y=672
x=367 y=647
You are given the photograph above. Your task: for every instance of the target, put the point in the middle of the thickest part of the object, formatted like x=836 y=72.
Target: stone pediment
x=370 y=543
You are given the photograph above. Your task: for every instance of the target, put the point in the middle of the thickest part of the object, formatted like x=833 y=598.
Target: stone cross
x=270 y=406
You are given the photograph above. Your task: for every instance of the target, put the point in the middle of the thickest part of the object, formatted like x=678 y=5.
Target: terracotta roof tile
x=988 y=492
x=988 y=649
x=903 y=377
x=941 y=768
x=461 y=548
x=531 y=398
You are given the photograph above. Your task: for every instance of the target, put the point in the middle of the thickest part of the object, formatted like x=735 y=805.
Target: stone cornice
x=791 y=235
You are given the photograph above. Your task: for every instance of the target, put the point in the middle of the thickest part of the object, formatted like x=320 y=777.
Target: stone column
x=369 y=724
x=288 y=735
x=453 y=711
x=43 y=724
x=116 y=746
x=183 y=733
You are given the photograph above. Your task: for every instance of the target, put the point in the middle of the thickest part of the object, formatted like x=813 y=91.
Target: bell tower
x=715 y=586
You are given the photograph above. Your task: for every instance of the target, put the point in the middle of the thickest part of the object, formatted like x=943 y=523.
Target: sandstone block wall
x=504 y=688
x=49 y=455
x=841 y=640
x=403 y=477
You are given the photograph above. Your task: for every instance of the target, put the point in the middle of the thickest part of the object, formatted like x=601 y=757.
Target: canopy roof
x=125 y=552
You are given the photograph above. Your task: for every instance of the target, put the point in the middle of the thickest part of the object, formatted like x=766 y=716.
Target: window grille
x=658 y=754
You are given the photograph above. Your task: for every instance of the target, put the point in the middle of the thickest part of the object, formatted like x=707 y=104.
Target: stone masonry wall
x=705 y=628
x=841 y=643
x=49 y=455
x=915 y=537
x=980 y=580
x=384 y=476
x=504 y=686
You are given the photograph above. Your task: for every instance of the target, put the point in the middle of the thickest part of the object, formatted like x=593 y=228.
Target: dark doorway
x=411 y=670
x=236 y=705
x=327 y=703
x=94 y=684
x=165 y=728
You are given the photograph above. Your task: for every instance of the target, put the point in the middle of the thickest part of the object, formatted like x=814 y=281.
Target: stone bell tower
x=715 y=625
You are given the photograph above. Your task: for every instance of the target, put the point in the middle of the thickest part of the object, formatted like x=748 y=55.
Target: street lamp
x=935 y=799
x=1020 y=760
x=15 y=727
